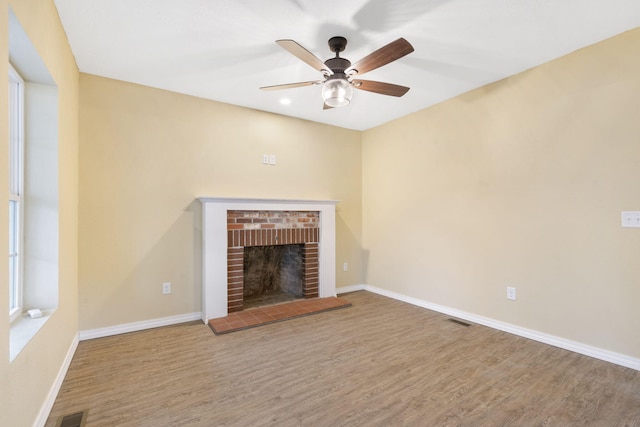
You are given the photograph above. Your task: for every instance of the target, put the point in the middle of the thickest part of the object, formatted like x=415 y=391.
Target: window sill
x=23 y=329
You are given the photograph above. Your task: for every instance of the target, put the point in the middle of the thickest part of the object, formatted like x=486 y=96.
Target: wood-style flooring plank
x=380 y=363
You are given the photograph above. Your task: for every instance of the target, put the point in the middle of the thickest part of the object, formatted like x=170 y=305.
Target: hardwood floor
x=379 y=363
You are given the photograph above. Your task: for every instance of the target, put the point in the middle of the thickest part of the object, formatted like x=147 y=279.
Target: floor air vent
x=459 y=322
x=77 y=419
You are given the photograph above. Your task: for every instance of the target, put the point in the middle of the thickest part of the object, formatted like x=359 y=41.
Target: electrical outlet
x=511 y=293
x=631 y=219
x=166 y=288
x=265 y=159
x=272 y=159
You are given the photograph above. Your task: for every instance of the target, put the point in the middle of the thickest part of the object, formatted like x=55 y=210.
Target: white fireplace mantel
x=214 y=245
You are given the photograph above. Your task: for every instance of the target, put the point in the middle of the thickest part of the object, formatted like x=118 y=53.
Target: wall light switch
x=631 y=219
x=265 y=159
x=272 y=159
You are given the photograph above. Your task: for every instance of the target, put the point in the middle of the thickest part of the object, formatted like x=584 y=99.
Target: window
x=16 y=173
x=33 y=193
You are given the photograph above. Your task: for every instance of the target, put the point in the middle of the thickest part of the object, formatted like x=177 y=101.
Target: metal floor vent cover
x=459 y=322
x=77 y=419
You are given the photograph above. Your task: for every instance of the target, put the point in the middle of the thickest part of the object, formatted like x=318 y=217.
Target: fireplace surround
x=223 y=239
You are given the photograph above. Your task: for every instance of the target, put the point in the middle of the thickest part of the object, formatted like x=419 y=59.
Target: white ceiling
x=225 y=49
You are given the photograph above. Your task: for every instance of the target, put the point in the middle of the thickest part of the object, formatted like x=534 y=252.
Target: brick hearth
x=275 y=313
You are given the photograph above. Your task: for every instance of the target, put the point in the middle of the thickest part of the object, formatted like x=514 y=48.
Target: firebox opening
x=272 y=274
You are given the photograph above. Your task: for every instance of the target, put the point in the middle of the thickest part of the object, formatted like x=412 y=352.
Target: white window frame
x=16 y=187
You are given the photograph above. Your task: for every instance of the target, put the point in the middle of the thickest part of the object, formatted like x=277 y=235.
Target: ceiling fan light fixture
x=337 y=92
x=339 y=73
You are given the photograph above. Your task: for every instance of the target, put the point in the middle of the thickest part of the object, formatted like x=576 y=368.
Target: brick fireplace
x=231 y=224
x=247 y=229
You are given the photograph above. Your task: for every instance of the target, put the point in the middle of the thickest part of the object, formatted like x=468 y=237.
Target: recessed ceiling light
x=285 y=101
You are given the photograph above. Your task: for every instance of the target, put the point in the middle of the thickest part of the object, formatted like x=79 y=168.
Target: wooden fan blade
x=303 y=54
x=384 y=55
x=291 y=85
x=380 y=87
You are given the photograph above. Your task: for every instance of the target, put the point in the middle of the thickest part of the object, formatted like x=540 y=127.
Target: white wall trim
x=352 y=288
x=138 y=326
x=46 y=407
x=576 y=347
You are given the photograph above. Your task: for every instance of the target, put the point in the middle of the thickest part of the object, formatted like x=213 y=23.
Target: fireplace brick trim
x=269 y=228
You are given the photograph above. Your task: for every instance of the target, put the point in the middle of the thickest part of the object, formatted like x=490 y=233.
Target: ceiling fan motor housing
x=338 y=65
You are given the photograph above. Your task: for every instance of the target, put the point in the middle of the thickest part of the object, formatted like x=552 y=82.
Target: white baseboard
x=45 y=410
x=576 y=347
x=138 y=326
x=352 y=288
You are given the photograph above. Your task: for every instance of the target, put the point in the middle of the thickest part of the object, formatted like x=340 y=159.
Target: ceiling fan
x=339 y=74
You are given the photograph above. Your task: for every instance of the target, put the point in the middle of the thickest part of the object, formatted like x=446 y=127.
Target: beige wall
x=25 y=382
x=520 y=183
x=147 y=154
